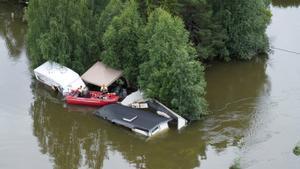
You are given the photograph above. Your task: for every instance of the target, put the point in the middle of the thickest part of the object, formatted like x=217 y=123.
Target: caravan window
x=155 y=129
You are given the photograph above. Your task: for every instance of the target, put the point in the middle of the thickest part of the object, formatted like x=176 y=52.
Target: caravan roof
x=57 y=75
x=131 y=117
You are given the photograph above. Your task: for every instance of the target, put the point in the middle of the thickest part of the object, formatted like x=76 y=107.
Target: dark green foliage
x=121 y=42
x=170 y=73
x=286 y=3
x=62 y=31
x=219 y=29
x=207 y=35
x=98 y=5
x=113 y=8
x=245 y=22
x=222 y=29
x=169 y=5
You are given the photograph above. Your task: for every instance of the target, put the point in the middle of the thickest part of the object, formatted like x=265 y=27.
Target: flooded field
x=254 y=113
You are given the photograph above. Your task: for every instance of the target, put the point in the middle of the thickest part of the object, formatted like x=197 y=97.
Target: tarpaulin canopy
x=100 y=74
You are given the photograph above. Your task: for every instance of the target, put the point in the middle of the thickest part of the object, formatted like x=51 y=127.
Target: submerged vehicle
x=92 y=98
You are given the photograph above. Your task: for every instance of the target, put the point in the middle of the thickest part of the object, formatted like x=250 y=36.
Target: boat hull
x=95 y=99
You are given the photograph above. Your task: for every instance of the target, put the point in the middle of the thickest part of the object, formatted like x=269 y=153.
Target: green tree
x=285 y=3
x=98 y=5
x=37 y=25
x=221 y=29
x=245 y=23
x=169 y=5
x=112 y=9
x=170 y=73
x=62 y=31
x=121 y=42
x=206 y=34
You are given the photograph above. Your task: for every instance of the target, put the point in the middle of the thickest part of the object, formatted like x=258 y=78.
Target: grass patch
x=297 y=149
x=236 y=164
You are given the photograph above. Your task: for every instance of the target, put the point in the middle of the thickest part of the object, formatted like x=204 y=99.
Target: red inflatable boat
x=94 y=98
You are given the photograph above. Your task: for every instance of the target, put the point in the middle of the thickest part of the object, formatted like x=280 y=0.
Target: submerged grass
x=236 y=164
x=297 y=149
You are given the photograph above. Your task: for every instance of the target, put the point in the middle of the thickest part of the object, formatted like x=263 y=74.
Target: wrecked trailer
x=137 y=120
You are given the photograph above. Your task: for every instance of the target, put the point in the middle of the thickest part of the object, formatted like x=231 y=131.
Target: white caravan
x=58 y=76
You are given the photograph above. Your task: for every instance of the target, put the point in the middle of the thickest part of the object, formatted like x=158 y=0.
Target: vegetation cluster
x=159 y=44
x=297 y=149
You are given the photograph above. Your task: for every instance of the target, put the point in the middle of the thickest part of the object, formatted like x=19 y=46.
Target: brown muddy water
x=255 y=114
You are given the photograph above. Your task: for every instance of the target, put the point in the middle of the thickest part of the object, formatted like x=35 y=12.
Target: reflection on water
x=71 y=139
x=233 y=92
x=75 y=139
x=13 y=30
x=230 y=82
x=79 y=139
x=286 y=3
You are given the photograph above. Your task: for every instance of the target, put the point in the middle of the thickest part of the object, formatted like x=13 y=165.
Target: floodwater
x=255 y=113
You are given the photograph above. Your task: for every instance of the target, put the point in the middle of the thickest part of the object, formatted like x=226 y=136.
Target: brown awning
x=100 y=74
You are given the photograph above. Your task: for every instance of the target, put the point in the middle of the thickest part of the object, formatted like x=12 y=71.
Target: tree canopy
x=121 y=42
x=62 y=31
x=225 y=30
x=245 y=23
x=170 y=73
x=112 y=9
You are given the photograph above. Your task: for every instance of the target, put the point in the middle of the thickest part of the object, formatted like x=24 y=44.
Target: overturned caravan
x=57 y=76
x=137 y=120
x=137 y=100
